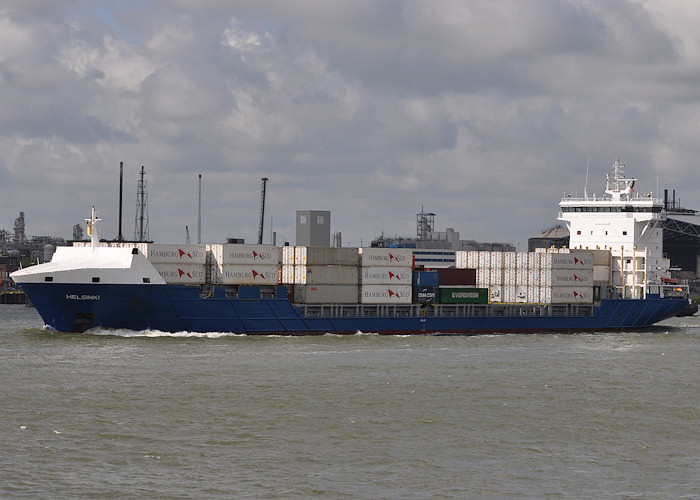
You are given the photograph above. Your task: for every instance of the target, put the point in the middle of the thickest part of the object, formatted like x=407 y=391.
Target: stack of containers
x=513 y=277
x=386 y=275
x=569 y=277
x=601 y=267
x=524 y=278
x=489 y=272
x=322 y=274
x=178 y=264
x=287 y=265
x=241 y=264
x=426 y=287
x=547 y=276
x=458 y=286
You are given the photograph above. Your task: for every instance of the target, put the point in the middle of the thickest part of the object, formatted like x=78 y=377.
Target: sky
x=484 y=113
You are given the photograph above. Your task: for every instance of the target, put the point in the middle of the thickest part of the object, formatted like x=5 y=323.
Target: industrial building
x=35 y=248
x=313 y=228
x=435 y=248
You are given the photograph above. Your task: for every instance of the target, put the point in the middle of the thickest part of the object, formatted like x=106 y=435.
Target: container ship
x=613 y=276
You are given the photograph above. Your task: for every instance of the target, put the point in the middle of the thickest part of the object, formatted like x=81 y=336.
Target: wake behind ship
x=616 y=278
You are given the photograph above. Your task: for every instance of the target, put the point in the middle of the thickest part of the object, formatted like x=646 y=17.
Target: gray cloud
x=484 y=113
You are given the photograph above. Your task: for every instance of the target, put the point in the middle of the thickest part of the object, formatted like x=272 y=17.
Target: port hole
x=48 y=278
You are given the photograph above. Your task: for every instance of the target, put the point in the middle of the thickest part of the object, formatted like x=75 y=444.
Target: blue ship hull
x=174 y=308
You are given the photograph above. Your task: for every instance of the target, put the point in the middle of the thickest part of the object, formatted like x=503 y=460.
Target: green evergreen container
x=464 y=295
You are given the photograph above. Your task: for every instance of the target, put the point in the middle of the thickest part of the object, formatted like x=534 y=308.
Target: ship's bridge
x=626 y=224
x=642 y=205
x=658 y=229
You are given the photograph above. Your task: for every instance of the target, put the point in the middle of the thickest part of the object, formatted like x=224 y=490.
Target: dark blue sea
x=150 y=415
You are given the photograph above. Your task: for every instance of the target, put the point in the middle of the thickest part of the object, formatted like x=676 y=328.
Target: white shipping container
x=545 y=277
x=386 y=294
x=521 y=294
x=326 y=294
x=600 y=257
x=510 y=276
x=533 y=260
x=326 y=275
x=379 y=275
x=496 y=275
x=533 y=277
x=248 y=274
x=186 y=274
x=495 y=293
x=472 y=259
x=510 y=260
x=533 y=294
x=327 y=256
x=483 y=277
x=461 y=261
x=571 y=277
x=509 y=294
x=545 y=294
x=496 y=260
x=287 y=274
x=394 y=257
x=556 y=250
x=484 y=259
x=174 y=254
x=601 y=273
x=521 y=260
x=250 y=254
x=578 y=260
x=521 y=276
x=572 y=295
x=288 y=255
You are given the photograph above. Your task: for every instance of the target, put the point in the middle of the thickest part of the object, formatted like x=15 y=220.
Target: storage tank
x=49 y=250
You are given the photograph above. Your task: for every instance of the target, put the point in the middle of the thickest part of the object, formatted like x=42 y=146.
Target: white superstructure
x=92 y=264
x=626 y=224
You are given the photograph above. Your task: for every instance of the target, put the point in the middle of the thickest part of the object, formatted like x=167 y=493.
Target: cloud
x=482 y=112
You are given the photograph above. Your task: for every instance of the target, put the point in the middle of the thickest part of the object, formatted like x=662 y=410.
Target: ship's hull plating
x=78 y=307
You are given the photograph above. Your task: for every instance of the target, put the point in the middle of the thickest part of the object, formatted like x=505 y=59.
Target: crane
x=262 y=210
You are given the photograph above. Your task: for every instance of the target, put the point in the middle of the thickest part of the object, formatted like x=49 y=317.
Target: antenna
x=585 y=187
x=262 y=209
x=141 y=225
x=199 y=213
x=120 y=237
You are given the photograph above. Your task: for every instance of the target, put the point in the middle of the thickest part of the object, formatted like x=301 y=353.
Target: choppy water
x=150 y=415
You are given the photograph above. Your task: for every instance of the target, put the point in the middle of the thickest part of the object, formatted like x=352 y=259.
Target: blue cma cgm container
x=426 y=278
x=426 y=294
